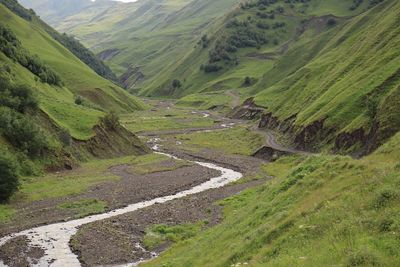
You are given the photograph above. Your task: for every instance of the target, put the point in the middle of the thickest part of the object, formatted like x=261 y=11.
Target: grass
x=162 y=166
x=206 y=100
x=6 y=213
x=322 y=210
x=314 y=79
x=238 y=140
x=173 y=119
x=159 y=234
x=339 y=71
x=155 y=163
x=84 y=207
x=187 y=64
x=167 y=31
x=76 y=182
x=79 y=79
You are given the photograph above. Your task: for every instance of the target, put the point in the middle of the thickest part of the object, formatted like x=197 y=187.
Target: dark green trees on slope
x=8 y=175
x=68 y=41
x=12 y=48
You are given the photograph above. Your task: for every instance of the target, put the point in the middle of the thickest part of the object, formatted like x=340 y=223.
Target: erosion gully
x=54 y=238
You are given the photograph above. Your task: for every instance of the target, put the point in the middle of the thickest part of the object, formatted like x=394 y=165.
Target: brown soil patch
x=117 y=240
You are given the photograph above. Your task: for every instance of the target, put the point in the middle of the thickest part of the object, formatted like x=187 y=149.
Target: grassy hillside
x=321 y=211
x=58 y=103
x=143 y=40
x=52 y=10
x=248 y=41
x=323 y=70
x=343 y=78
x=336 y=58
x=55 y=111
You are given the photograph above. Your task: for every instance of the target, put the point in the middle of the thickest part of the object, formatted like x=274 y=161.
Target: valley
x=185 y=133
x=113 y=185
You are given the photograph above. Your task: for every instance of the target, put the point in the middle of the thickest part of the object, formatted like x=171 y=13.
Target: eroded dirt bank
x=118 y=240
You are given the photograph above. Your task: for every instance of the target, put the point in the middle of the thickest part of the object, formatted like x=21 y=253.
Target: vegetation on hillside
x=9 y=180
x=24 y=136
x=84 y=54
x=69 y=42
x=14 y=6
x=41 y=125
x=12 y=48
x=321 y=210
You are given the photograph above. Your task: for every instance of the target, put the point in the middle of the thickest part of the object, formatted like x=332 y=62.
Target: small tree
x=247 y=81
x=8 y=176
x=78 y=100
x=65 y=137
x=176 y=84
x=110 y=120
x=331 y=22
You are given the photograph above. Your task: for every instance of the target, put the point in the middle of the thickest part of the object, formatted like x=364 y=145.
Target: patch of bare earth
x=118 y=240
x=18 y=253
x=131 y=188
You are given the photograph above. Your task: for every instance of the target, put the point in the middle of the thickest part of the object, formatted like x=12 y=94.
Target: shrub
x=18 y=9
x=8 y=175
x=211 y=68
x=247 y=81
x=176 y=84
x=110 y=120
x=12 y=48
x=78 y=100
x=363 y=258
x=384 y=197
x=19 y=97
x=204 y=41
x=331 y=22
x=65 y=137
x=22 y=133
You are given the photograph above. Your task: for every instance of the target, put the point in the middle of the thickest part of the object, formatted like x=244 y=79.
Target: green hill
x=51 y=102
x=324 y=70
x=145 y=39
x=54 y=10
x=326 y=73
x=320 y=211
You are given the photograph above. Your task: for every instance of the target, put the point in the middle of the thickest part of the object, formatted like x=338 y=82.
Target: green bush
x=17 y=97
x=79 y=100
x=363 y=258
x=110 y=120
x=65 y=137
x=12 y=48
x=176 y=84
x=22 y=133
x=8 y=175
x=247 y=81
x=385 y=197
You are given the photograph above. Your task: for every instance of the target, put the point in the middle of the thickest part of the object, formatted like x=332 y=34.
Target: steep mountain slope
x=54 y=10
x=142 y=40
x=52 y=102
x=320 y=211
x=345 y=87
x=247 y=42
x=325 y=73
x=328 y=56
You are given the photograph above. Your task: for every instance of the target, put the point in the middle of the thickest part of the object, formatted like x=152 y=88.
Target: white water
x=54 y=238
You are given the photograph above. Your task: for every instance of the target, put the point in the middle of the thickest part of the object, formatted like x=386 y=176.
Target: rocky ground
x=119 y=240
